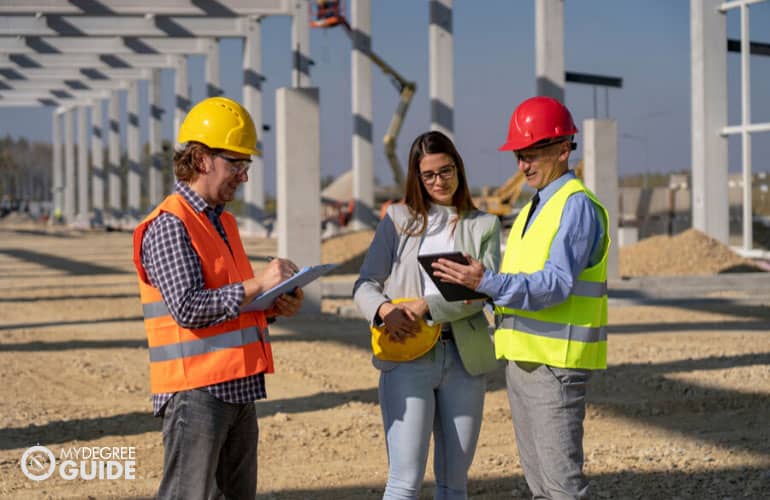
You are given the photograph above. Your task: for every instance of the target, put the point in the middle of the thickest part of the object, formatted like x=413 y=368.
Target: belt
x=446 y=333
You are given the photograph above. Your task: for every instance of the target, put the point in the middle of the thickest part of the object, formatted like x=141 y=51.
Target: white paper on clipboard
x=303 y=277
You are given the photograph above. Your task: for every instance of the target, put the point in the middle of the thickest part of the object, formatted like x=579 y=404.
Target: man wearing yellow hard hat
x=207 y=357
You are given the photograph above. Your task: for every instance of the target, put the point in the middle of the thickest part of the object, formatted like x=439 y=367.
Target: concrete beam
x=57 y=188
x=97 y=162
x=441 y=64
x=362 y=108
x=254 y=190
x=708 y=60
x=115 y=183
x=141 y=26
x=16 y=73
x=298 y=161
x=102 y=45
x=600 y=149
x=26 y=103
x=300 y=45
x=549 y=48
x=50 y=83
x=210 y=8
x=83 y=166
x=133 y=148
x=69 y=166
x=84 y=60
x=67 y=96
x=155 y=181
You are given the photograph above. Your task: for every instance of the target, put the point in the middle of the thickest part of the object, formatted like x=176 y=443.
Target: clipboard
x=450 y=291
x=305 y=275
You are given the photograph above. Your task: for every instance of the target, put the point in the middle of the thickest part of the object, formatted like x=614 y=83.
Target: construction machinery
x=501 y=201
x=328 y=14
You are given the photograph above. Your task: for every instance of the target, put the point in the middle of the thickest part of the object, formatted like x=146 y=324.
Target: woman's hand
x=419 y=307
x=400 y=322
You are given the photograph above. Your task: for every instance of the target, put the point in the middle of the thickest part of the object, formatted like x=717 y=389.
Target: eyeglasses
x=238 y=166
x=446 y=173
x=534 y=153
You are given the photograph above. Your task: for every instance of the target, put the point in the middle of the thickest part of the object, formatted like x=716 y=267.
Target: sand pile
x=685 y=254
x=347 y=249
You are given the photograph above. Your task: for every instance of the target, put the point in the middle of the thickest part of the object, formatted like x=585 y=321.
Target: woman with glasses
x=440 y=392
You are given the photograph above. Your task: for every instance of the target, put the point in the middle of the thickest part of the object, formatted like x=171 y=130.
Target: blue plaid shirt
x=173 y=267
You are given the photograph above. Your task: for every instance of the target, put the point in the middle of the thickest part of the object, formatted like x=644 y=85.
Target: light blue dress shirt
x=577 y=245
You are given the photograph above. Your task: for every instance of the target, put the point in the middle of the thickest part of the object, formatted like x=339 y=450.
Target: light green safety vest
x=571 y=334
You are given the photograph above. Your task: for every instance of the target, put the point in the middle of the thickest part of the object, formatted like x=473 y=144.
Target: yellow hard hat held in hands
x=386 y=348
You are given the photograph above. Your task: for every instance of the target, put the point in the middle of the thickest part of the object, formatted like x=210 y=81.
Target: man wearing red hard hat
x=550 y=300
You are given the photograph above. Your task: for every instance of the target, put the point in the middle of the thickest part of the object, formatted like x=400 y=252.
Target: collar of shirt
x=547 y=192
x=195 y=200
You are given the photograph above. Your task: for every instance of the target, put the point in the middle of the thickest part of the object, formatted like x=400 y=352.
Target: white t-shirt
x=438 y=238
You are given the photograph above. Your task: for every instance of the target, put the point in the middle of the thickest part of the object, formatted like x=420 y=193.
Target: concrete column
x=549 y=48
x=69 y=167
x=182 y=102
x=298 y=160
x=134 y=175
x=361 y=89
x=211 y=69
x=300 y=45
x=600 y=150
x=708 y=60
x=254 y=190
x=82 y=193
x=116 y=204
x=441 y=55
x=155 y=189
x=57 y=191
x=97 y=163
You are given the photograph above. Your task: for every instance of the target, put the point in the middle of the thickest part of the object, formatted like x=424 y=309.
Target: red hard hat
x=536 y=119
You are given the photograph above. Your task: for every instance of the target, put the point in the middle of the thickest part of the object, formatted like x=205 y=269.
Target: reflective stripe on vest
x=155 y=310
x=554 y=330
x=187 y=358
x=236 y=338
x=589 y=288
x=568 y=334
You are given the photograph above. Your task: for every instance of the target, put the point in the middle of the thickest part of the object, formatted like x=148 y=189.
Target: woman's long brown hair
x=416 y=196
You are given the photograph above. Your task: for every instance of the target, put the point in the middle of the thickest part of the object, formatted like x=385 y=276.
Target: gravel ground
x=681 y=412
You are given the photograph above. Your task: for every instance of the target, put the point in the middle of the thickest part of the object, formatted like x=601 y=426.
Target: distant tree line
x=25 y=169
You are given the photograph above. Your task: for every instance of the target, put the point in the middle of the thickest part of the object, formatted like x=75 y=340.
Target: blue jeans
x=210 y=448
x=432 y=394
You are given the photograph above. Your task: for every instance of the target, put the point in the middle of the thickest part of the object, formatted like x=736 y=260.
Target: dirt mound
x=347 y=249
x=686 y=254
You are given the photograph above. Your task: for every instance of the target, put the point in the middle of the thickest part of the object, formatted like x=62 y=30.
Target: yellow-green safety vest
x=571 y=334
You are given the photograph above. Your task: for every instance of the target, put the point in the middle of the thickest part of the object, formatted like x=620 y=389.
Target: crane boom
x=405 y=88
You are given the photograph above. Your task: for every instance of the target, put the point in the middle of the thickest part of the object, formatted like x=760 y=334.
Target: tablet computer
x=450 y=291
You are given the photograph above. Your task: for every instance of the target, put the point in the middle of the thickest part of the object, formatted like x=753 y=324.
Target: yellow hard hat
x=220 y=123
x=412 y=348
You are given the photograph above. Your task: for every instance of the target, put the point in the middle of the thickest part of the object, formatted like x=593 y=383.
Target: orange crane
x=329 y=14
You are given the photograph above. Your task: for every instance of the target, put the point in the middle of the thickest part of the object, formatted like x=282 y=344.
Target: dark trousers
x=210 y=448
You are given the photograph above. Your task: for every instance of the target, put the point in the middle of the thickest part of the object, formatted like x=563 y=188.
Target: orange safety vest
x=184 y=358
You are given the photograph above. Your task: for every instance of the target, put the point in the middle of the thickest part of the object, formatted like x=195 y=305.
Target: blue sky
x=647 y=43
